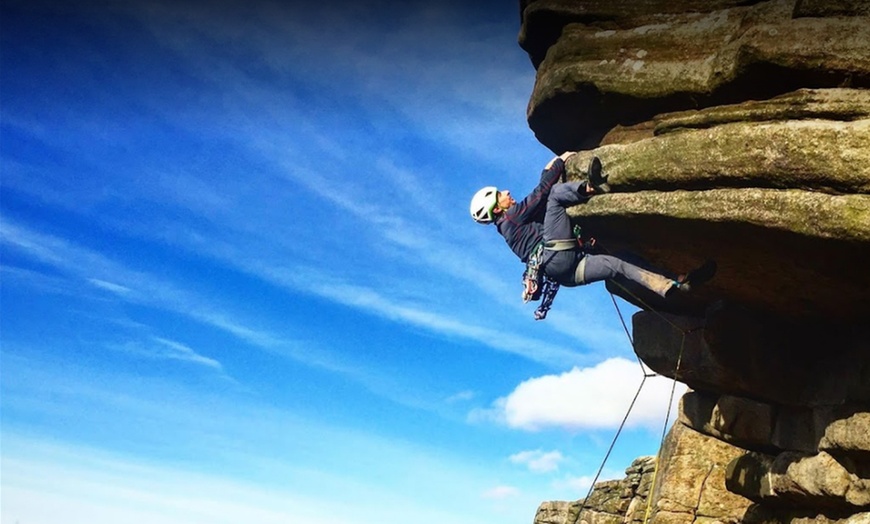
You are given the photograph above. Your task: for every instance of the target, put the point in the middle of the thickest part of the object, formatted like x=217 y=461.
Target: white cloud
x=501 y=493
x=584 y=398
x=538 y=461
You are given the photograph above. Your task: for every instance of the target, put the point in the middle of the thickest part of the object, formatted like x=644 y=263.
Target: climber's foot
x=597 y=180
x=696 y=277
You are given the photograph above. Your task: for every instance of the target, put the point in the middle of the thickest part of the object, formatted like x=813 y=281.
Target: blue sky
x=239 y=278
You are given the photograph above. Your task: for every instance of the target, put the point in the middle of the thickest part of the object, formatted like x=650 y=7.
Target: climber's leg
x=594 y=268
x=557 y=224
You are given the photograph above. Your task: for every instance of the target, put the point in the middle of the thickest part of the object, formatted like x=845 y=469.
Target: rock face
x=782 y=205
x=792 y=398
x=605 y=63
x=692 y=480
x=738 y=131
x=739 y=128
x=611 y=502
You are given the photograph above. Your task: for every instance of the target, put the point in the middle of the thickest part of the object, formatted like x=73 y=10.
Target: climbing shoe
x=597 y=180
x=696 y=277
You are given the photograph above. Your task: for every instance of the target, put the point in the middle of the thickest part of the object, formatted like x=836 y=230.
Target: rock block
x=736 y=420
x=692 y=478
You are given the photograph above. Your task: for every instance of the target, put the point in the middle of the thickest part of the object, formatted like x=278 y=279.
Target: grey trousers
x=571 y=268
x=594 y=268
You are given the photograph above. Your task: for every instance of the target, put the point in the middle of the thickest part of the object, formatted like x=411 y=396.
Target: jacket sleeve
x=529 y=206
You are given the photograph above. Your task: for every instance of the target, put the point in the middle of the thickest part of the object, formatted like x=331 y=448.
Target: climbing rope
x=613 y=443
x=636 y=395
x=652 y=484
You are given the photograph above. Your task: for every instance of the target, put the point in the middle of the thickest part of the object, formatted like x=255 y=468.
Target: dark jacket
x=522 y=224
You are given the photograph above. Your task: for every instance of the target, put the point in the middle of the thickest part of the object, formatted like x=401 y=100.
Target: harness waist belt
x=567 y=244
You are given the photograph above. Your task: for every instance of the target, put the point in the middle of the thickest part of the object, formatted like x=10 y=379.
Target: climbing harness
x=646 y=375
x=536 y=283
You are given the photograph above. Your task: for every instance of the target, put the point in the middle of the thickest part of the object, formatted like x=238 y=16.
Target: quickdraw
x=548 y=292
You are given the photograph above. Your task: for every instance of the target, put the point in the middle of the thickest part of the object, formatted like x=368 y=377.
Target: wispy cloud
x=242 y=163
x=513 y=343
x=274 y=455
x=364 y=57
x=47 y=482
x=134 y=286
x=383 y=302
x=299 y=194
x=155 y=292
x=109 y=286
x=162 y=348
x=37 y=280
x=391 y=197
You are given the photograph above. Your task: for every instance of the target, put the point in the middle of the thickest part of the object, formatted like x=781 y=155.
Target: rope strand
x=652 y=485
x=612 y=444
x=636 y=395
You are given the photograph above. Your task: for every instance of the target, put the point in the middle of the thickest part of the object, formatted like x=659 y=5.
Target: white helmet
x=482 y=204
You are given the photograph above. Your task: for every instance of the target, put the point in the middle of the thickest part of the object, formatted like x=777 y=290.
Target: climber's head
x=488 y=202
x=483 y=203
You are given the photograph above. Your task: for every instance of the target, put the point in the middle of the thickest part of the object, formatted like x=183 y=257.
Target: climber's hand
x=564 y=156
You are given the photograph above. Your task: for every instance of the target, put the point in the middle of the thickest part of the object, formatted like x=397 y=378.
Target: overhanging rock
x=737 y=131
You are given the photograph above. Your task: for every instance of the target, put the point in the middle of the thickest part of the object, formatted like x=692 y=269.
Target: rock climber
x=540 y=221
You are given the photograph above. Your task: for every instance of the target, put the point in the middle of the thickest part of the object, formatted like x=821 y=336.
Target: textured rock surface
x=732 y=351
x=737 y=420
x=622 y=62
x=773 y=362
x=739 y=131
x=800 y=480
x=692 y=480
x=782 y=206
x=793 y=399
x=611 y=502
x=556 y=512
x=849 y=432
